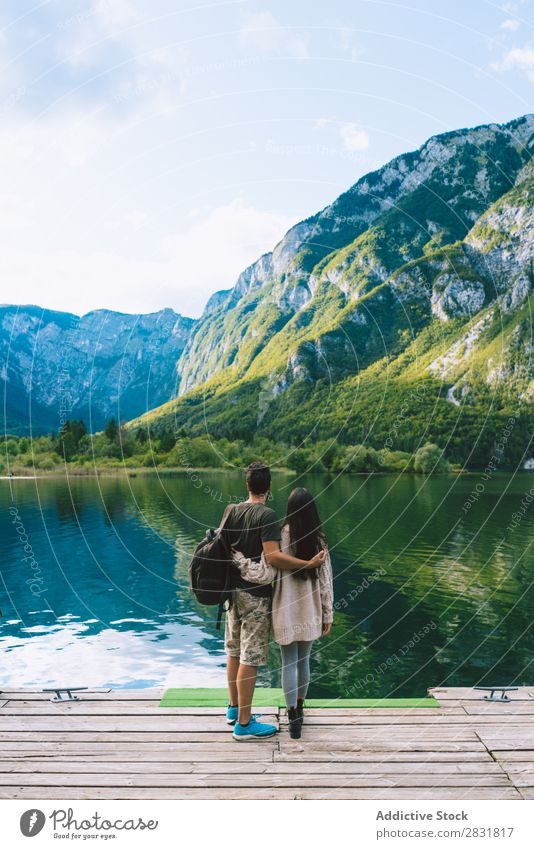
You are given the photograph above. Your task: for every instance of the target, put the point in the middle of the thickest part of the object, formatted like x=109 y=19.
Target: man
x=252 y=529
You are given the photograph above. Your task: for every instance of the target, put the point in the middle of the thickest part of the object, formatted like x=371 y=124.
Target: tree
x=82 y=430
x=357 y=458
x=111 y=430
x=141 y=435
x=67 y=445
x=167 y=440
x=429 y=459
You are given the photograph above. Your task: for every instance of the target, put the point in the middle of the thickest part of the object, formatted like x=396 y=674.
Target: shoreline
x=138 y=471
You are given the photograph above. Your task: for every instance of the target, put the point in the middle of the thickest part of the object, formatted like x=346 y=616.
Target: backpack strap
x=227 y=592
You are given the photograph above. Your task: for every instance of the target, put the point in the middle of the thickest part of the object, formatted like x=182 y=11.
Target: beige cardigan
x=300 y=608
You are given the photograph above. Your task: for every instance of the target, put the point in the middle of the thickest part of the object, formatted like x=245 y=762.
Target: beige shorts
x=247 y=627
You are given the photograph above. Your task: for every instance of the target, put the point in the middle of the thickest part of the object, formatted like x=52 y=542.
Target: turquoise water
x=433 y=582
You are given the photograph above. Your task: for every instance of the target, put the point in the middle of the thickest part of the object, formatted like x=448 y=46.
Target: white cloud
x=140 y=72
x=263 y=32
x=518 y=58
x=189 y=266
x=510 y=24
x=80 y=138
x=354 y=138
x=115 y=13
x=212 y=252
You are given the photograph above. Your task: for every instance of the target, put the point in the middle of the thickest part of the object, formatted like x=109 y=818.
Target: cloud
x=263 y=32
x=188 y=267
x=518 y=58
x=510 y=24
x=212 y=252
x=354 y=138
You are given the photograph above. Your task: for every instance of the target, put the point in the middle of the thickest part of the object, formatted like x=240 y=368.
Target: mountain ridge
x=420 y=274
x=448 y=248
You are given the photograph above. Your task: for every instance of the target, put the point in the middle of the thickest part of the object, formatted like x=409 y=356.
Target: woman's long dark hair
x=305 y=529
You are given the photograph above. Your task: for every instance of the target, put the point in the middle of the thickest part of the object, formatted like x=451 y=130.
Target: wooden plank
x=227 y=757
x=110 y=706
x=98 y=747
x=38 y=695
x=503 y=711
x=121 y=736
x=389 y=712
x=408 y=733
x=379 y=745
x=507 y=739
x=182 y=729
x=93 y=693
x=359 y=739
x=485 y=719
x=236 y=793
x=114 y=724
x=294 y=747
x=119 y=710
x=437 y=757
x=267 y=767
x=521 y=781
x=444 y=694
x=515 y=768
x=515 y=755
x=527 y=792
x=219 y=754
x=72 y=722
x=242 y=780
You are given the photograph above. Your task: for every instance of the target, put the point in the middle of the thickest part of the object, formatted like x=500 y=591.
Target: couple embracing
x=283 y=578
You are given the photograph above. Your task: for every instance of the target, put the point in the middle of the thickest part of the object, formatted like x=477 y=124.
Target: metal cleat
x=502 y=690
x=68 y=690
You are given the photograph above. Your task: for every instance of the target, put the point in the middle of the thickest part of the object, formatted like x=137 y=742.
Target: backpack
x=211 y=570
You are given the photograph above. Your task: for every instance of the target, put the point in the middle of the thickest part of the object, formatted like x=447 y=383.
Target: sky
x=152 y=149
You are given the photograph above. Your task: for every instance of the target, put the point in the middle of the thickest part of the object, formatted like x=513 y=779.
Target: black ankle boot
x=300 y=710
x=294 y=723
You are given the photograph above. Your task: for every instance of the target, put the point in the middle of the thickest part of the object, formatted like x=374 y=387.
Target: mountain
x=56 y=365
x=412 y=290
x=400 y=312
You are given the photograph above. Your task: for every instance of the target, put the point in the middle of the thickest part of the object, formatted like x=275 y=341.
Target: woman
x=302 y=600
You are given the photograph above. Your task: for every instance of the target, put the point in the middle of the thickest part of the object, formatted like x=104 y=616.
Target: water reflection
x=427 y=593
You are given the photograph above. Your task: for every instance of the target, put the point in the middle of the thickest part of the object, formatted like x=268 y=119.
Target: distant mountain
x=401 y=310
x=419 y=275
x=56 y=365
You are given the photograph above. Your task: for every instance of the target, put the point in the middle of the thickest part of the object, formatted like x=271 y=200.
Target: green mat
x=273 y=697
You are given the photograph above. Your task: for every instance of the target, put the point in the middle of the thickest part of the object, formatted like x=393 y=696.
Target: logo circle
x=32 y=822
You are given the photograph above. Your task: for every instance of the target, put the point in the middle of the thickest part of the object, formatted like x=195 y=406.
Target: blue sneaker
x=253 y=730
x=231 y=714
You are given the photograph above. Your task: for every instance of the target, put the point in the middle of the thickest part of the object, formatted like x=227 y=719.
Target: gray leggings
x=295 y=671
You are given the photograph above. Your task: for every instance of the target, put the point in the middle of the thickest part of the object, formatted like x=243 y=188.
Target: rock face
x=453 y=297
x=57 y=365
x=424 y=265
x=436 y=233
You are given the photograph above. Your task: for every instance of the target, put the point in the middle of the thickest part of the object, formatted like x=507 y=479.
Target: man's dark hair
x=258 y=478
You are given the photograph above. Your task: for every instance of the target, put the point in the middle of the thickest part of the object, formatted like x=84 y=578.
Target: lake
x=433 y=581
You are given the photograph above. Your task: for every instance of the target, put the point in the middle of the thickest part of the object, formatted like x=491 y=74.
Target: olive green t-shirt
x=249 y=525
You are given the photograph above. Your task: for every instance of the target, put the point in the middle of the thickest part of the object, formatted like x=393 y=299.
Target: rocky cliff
x=418 y=275
x=57 y=365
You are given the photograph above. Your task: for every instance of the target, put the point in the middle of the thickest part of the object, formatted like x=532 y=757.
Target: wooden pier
x=121 y=745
